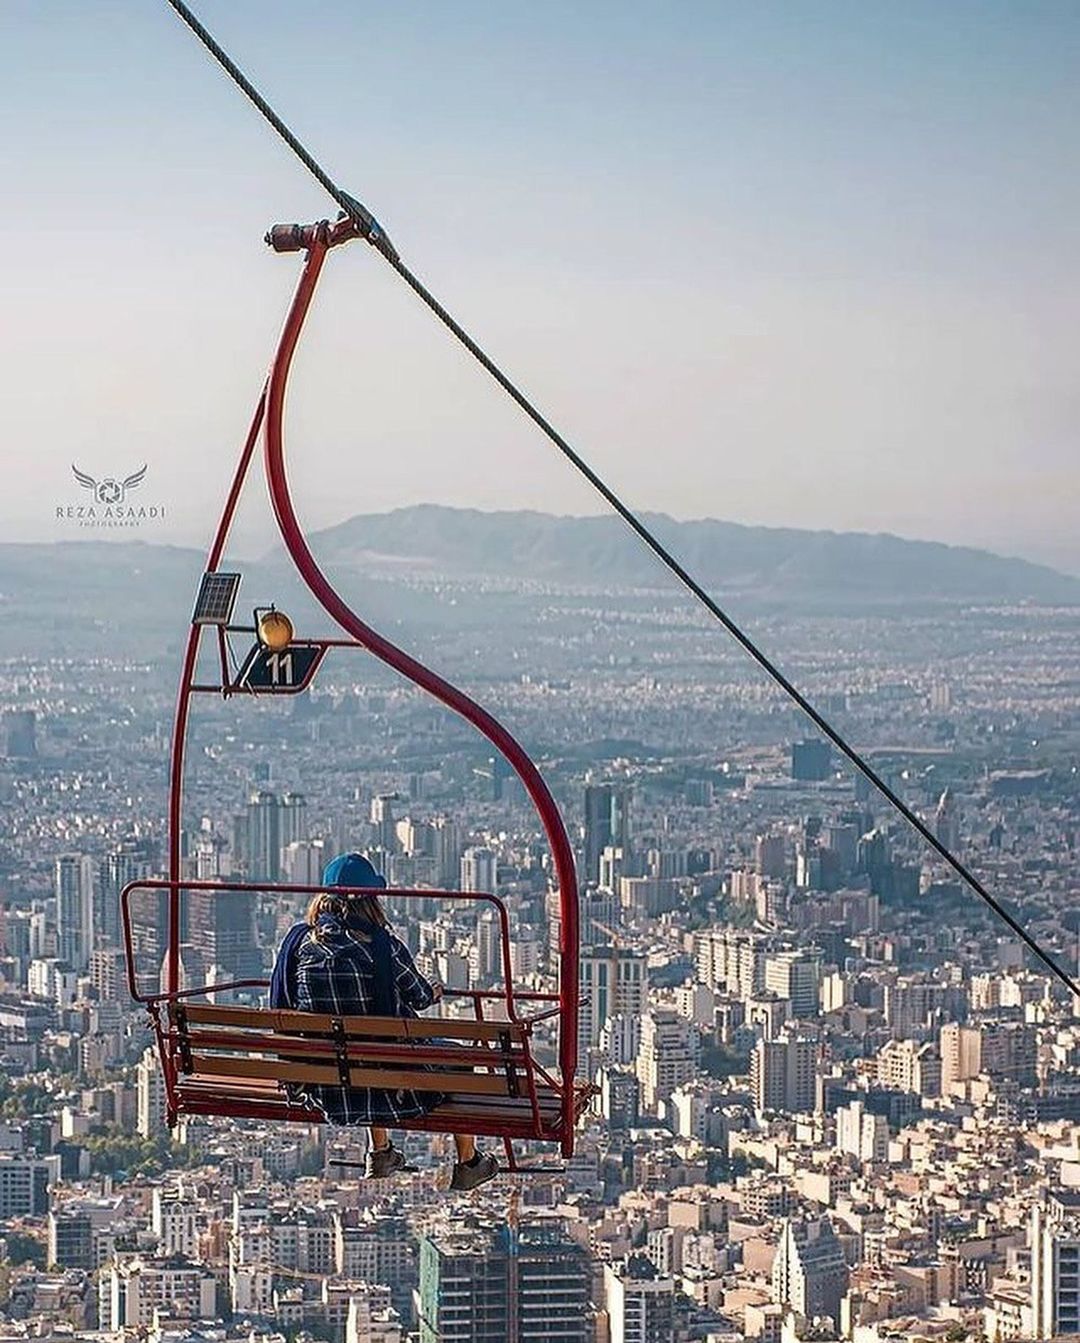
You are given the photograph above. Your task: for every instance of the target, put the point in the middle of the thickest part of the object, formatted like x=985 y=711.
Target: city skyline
x=834 y=1097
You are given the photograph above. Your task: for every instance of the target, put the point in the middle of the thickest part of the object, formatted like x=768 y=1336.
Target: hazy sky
x=796 y=264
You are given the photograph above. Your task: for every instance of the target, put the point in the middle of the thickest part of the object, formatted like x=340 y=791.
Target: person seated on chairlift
x=345 y=961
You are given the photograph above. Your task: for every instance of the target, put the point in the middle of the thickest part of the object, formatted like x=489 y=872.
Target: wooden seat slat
x=499 y=1106
x=256 y=1086
x=326 y=1074
x=318 y=1023
x=265 y=1100
x=456 y=1104
x=478 y=1118
x=359 y=1052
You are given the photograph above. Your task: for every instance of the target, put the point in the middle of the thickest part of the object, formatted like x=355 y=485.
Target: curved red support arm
x=183 y=702
x=292 y=535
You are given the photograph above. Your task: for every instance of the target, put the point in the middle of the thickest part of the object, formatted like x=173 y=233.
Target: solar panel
x=216 y=599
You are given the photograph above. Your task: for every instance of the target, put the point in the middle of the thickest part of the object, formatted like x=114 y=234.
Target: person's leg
x=473 y=1168
x=383 y=1158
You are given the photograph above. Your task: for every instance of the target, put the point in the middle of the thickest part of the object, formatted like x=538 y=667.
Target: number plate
x=285 y=672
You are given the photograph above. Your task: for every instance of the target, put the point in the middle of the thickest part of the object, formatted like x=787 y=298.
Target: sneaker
x=384 y=1162
x=467 y=1176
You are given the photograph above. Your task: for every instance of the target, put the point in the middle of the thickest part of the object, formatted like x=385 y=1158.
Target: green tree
x=21 y=1249
x=723 y=1061
x=24 y=1099
x=116 y=1150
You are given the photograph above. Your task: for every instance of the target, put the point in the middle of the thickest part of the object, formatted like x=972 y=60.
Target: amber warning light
x=275 y=631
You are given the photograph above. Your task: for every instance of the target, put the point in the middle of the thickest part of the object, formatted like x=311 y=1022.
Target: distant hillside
x=81 y=597
x=767 y=563
x=95 y=596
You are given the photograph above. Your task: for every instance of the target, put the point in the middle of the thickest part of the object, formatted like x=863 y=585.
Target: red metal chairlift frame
x=315 y=240
x=170 y=1042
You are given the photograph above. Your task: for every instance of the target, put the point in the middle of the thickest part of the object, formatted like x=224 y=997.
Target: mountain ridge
x=771 y=565
x=134 y=596
x=767 y=562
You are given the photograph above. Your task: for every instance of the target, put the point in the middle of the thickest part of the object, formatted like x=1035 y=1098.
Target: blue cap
x=352 y=869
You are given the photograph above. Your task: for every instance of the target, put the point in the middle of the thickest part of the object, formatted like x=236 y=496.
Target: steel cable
x=373 y=233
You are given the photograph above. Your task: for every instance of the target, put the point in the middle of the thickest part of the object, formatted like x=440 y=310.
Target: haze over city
x=805 y=268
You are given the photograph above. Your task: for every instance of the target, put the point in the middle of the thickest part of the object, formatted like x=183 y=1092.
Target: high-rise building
x=302 y=861
x=612 y=866
x=264 y=837
x=371 y=1317
x=914 y=1005
x=907 y=1065
x=108 y=974
x=770 y=855
x=621 y=1040
x=1009 y=1051
x=384 y=822
x=489 y=958
x=375 y=1246
x=74 y=881
x=495 y=772
x=843 y=841
x=501 y=1284
x=82 y=1232
x=861 y=1134
x=767 y=1014
x=1002 y=1050
x=464 y=1289
x=173 y=1221
x=149 y=927
x=607 y=824
x=730 y=960
x=647 y=897
x=293 y=825
x=552 y=1283
x=613 y=980
x=135 y=1289
x=130 y=862
x=222 y=934
x=446 y=851
x=619 y=1101
x=783 y=1074
x=809 y=1271
x=478 y=870
x=599 y=917
x=1055 y=1264
x=415 y=838
x=149 y=1095
x=796 y=976
x=24 y=1184
x=670 y=1054
x=303 y=1239
x=71 y=1239
x=271 y=822
x=961 y=1054
x=640 y=1302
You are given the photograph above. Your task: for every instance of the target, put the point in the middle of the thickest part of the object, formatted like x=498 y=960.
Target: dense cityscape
x=835 y=1098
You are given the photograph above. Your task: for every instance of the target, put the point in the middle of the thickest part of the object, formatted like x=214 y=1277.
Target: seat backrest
x=484 y=1058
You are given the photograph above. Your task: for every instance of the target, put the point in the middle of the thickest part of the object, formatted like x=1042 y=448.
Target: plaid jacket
x=336 y=974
